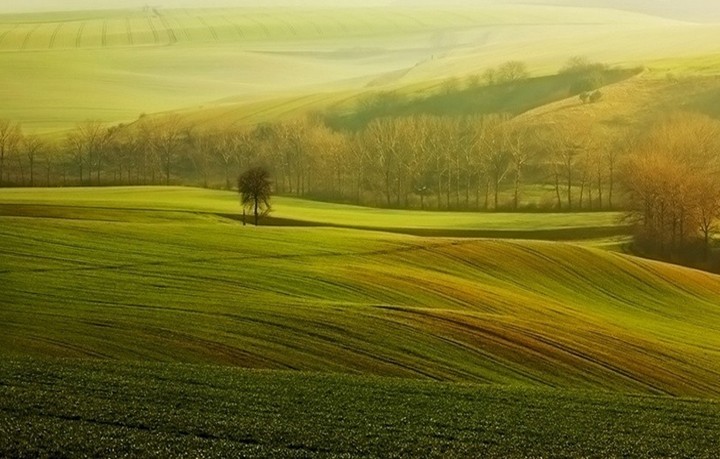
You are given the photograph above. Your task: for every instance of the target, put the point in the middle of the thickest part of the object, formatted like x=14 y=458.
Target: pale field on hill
x=58 y=69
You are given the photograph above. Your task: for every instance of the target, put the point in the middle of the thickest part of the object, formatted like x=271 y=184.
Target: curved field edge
x=100 y=409
x=116 y=203
x=208 y=290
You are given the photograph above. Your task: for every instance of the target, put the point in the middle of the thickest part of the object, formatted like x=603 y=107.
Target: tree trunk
x=22 y=171
x=2 y=163
x=439 y=191
x=495 y=189
x=569 y=190
x=487 y=194
x=610 y=190
x=468 y=184
x=557 y=191
x=167 y=170
x=448 y=191
x=706 y=247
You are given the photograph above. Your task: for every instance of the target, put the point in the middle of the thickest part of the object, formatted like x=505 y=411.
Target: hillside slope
x=633 y=106
x=203 y=289
x=127 y=62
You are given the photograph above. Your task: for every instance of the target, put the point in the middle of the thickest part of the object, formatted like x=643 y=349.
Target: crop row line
x=5 y=34
x=193 y=260
x=54 y=35
x=78 y=37
x=237 y=28
x=28 y=35
x=168 y=30
x=128 y=30
x=154 y=30
x=103 y=40
x=209 y=27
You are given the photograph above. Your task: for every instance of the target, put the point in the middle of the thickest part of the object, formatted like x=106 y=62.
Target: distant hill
x=687 y=10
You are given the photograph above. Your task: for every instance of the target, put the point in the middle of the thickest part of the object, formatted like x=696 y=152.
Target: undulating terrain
x=164 y=275
x=151 y=321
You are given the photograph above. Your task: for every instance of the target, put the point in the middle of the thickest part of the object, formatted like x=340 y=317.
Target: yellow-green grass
x=109 y=203
x=58 y=69
x=632 y=106
x=185 y=287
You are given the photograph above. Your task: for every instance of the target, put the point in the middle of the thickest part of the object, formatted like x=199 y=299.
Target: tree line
x=673 y=177
x=426 y=162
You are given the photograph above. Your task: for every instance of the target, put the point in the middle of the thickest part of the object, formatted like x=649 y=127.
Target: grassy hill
x=163 y=285
x=144 y=203
x=66 y=67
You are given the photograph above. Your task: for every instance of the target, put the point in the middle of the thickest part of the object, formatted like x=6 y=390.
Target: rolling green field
x=125 y=313
x=151 y=322
x=138 y=203
x=196 y=287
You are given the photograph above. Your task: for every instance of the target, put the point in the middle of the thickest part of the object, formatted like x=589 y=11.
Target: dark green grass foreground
x=100 y=409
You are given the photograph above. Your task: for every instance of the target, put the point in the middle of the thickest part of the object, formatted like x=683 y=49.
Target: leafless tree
x=255 y=188
x=10 y=136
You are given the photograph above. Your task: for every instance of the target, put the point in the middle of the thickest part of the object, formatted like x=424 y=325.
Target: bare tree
x=33 y=147
x=168 y=137
x=203 y=146
x=512 y=71
x=10 y=135
x=76 y=148
x=673 y=181
x=497 y=153
x=255 y=188
x=94 y=137
x=708 y=208
x=519 y=149
x=384 y=141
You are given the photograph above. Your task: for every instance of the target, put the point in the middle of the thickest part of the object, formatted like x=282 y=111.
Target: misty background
x=687 y=10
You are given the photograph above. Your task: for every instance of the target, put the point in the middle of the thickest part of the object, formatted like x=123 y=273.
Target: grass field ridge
x=198 y=288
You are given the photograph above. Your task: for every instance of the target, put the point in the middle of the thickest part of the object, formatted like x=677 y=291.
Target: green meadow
x=198 y=287
x=144 y=201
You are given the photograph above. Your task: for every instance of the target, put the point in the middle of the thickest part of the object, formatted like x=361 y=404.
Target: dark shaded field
x=100 y=409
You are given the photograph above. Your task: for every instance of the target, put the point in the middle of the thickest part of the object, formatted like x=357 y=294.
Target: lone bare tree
x=255 y=187
x=10 y=136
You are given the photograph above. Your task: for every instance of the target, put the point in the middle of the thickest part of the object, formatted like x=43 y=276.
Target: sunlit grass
x=184 y=199
x=175 y=283
x=128 y=62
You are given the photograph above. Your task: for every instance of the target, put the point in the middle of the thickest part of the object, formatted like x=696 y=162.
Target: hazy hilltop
x=687 y=10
